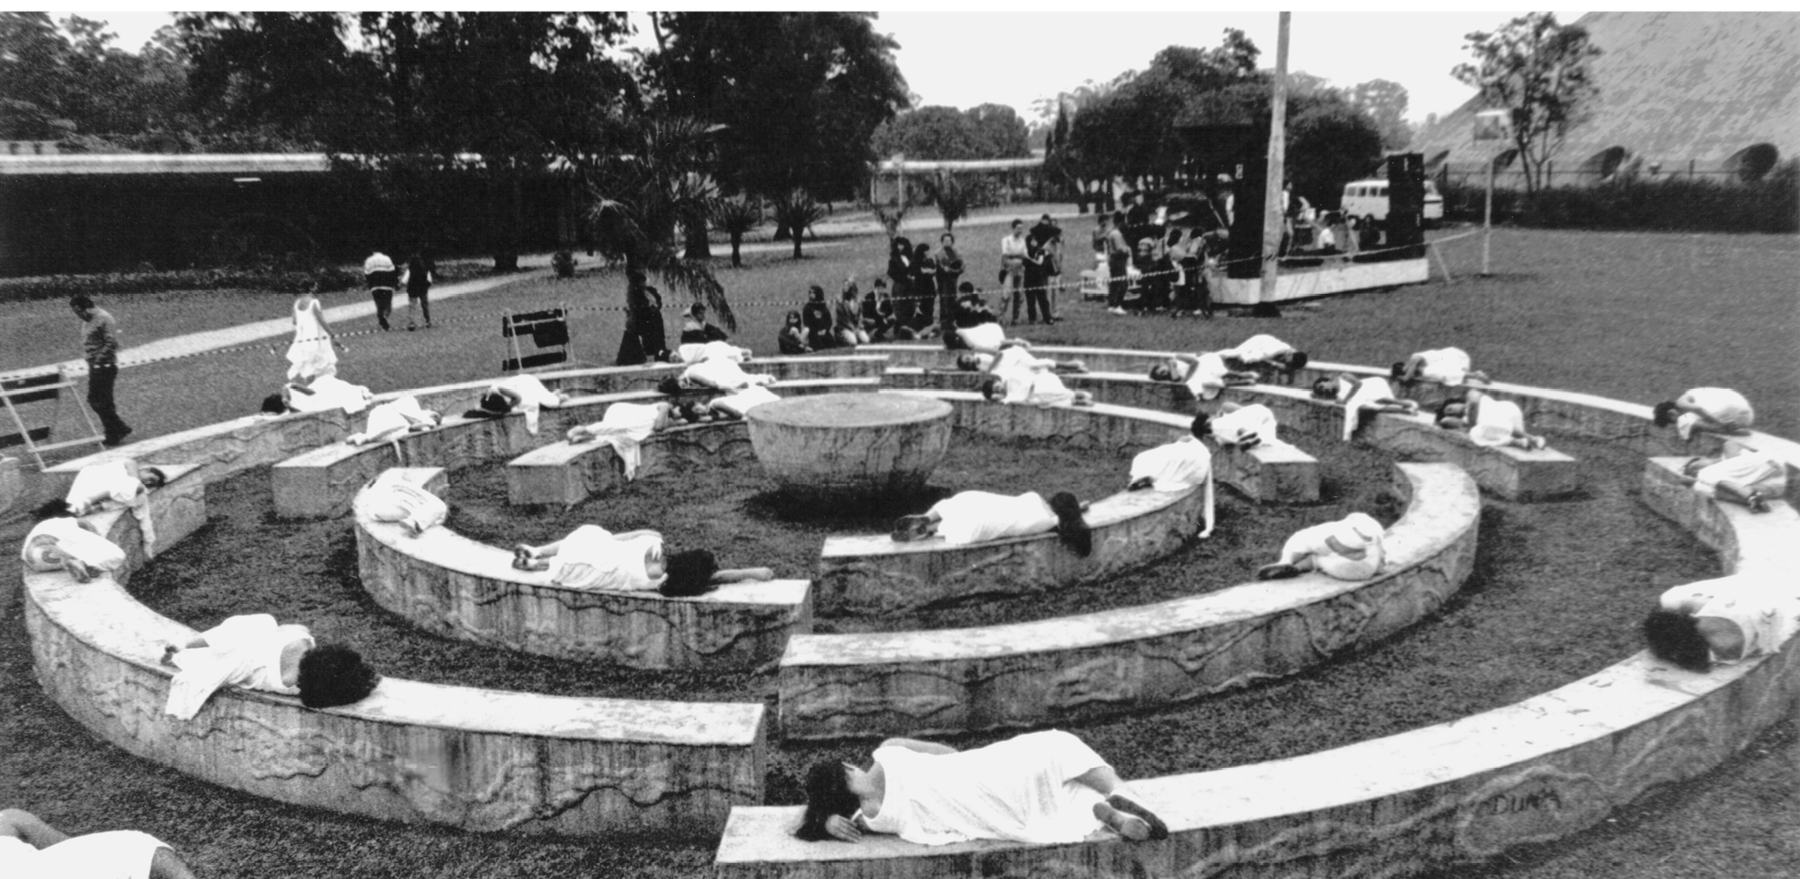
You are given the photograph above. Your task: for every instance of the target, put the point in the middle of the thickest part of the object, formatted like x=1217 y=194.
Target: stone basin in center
x=851 y=444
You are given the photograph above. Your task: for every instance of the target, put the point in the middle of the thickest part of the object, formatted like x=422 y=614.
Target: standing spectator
x=382 y=277
x=1053 y=270
x=925 y=292
x=899 y=272
x=1037 y=298
x=100 y=346
x=1118 y=258
x=418 y=277
x=1012 y=269
x=949 y=272
x=1102 y=230
x=645 y=338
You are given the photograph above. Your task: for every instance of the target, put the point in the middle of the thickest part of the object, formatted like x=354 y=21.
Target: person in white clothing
x=1041 y=787
x=313 y=353
x=1716 y=410
x=1015 y=376
x=979 y=516
x=1740 y=475
x=523 y=392
x=720 y=374
x=394 y=419
x=1491 y=423
x=253 y=651
x=1178 y=466
x=1358 y=394
x=624 y=427
x=117 y=485
x=1722 y=621
x=1240 y=426
x=64 y=543
x=32 y=849
x=695 y=352
x=391 y=499
x=1348 y=549
x=324 y=393
x=1267 y=356
x=1205 y=374
x=739 y=404
x=1445 y=366
x=592 y=558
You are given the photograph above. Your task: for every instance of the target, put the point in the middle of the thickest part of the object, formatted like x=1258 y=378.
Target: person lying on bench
x=1740 y=475
x=1239 y=426
x=1721 y=621
x=1267 y=356
x=592 y=558
x=624 y=427
x=1491 y=423
x=977 y=327
x=117 y=485
x=979 y=516
x=1017 y=377
x=60 y=542
x=1044 y=787
x=253 y=651
x=721 y=374
x=1358 y=394
x=322 y=394
x=522 y=392
x=1015 y=354
x=1348 y=549
x=1178 y=466
x=400 y=501
x=1205 y=374
x=1445 y=366
x=31 y=848
x=736 y=406
x=394 y=419
x=699 y=352
x=1716 y=410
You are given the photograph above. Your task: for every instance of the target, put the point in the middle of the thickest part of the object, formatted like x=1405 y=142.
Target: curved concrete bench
x=218 y=450
x=452 y=586
x=1440 y=796
x=1094 y=665
x=177 y=509
x=568 y=473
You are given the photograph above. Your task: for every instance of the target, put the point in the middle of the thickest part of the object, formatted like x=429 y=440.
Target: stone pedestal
x=850 y=445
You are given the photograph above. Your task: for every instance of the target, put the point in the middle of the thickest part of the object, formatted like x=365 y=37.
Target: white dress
x=1019 y=789
x=721 y=374
x=1179 y=466
x=1765 y=613
x=740 y=403
x=978 y=516
x=396 y=500
x=1754 y=470
x=1357 y=393
x=310 y=355
x=533 y=396
x=983 y=336
x=66 y=535
x=243 y=650
x=624 y=427
x=1723 y=405
x=1449 y=366
x=1259 y=348
x=329 y=393
x=391 y=421
x=1207 y=378
x=1496 y=422
x=695 y=352
x=1238 y=425
x=112 y=485
x=1357 y=530
x=591 y=557
x=109 y=854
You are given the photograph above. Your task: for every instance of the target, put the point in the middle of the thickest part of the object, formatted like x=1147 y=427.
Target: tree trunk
x=797 y=246
x=782 y=231
x=737 y=239
x=698 y=247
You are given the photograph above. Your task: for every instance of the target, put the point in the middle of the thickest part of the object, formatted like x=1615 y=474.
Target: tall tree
x=1539 y=70
x=1385 y=101
x=937 y=133
x=998 y=131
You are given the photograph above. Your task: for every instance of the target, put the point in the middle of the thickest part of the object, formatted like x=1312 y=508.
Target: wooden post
x=1274 y=206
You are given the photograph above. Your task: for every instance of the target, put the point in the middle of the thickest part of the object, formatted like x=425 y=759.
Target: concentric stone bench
x=1097 y=359
x=177 y=509
x=1094 y=665
x=217 y=450
x=455 y=587
x=1722 y=525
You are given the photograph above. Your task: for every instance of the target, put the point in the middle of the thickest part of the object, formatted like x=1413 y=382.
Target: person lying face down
x=117 y=485
x=1715 y=410
x=392 y=499
x=1740 y=475
x=1348 y=549
x=1358 y=394
x=1205 y=374
x=253 y=651
x=1043 y=787
x=1722 y=621
x=31 y=848
x=522 y=392
x=1445 y=366
x=59 y=542
x=1267 y=356
x=322 y=394
x=1239 y=426
x=1491 y=423
x=593 y=558
x=1178 y=466
x=394 y=419
x=978 y=516
x=624 y=427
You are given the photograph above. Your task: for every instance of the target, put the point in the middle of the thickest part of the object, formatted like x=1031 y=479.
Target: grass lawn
x=1557 y=591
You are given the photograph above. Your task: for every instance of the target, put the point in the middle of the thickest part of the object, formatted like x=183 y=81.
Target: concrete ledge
x=457 y=588
x=217 y=450
x=481 y=760
x=1098 y=359
x=1101 y=664
x=568 y=473
x=457 y=397
x=1739 y=536
x=177 y=509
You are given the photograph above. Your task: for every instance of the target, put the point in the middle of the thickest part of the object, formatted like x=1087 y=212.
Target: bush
x=563 y=262
x=1668 y=204
x=146 y=279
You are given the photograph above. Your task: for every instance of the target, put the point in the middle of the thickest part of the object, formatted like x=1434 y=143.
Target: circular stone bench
x=454 y=587
x=1095 y=665
x=565 y=473
x=1440 y=796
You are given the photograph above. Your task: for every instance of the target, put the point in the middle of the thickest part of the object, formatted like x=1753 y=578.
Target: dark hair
x=698 y=311
x=81 y=300
x=827 y=794
x=989 y=385
x=1073 y=529
x=690 y=573
x=55 y=508
x=1202 y=426
x=793 y=317
x=154 y=472
x=1665 y=413
x=1016 y=223
x=966 y=287
x=496 y=403
x=1398 y=370
x=814 y=291
x=332 y=675
x=1675 y=638
x=1329 y=389
x=274 y=405
x=1297 y=360
x=1118 y=217
x=949 y=236
x=1444 y=405
x=669 y=385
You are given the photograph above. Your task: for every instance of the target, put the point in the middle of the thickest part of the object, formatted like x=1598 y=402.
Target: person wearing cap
x=383 y=278
x=1348 y=549
x=1721 y=621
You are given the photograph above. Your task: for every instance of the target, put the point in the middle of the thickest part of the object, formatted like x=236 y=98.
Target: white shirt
x=1259 y=348
x=1766 y=613
x=1448 y=366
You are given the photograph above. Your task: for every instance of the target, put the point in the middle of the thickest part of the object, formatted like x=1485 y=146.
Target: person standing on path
x=420 y=272
x=379 y=271
x=313 y=352
x=100 y=347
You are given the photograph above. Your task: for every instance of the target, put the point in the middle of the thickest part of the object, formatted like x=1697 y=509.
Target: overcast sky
x=1036 y=50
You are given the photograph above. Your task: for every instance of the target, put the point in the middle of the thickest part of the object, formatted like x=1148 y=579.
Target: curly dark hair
x=689 y=573
x=1073 y=529
x=1665 y=413
x=1202 y=426
x=827 y=794
x=1675 y=638
x=333 y=675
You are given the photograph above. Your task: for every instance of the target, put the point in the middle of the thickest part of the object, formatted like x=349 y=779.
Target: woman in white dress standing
x=312 y=353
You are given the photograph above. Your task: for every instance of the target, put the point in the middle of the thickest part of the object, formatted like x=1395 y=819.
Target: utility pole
x=1274 y=205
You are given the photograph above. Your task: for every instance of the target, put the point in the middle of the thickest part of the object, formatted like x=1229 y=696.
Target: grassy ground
x=1557 y=590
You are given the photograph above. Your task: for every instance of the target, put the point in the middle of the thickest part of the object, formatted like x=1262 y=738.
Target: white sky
x=1026 y=51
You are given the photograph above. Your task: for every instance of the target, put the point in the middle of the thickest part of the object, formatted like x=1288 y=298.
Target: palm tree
x=736 y=216
x=797 y=211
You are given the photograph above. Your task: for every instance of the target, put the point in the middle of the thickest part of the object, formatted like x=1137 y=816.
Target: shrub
x=1665 y=204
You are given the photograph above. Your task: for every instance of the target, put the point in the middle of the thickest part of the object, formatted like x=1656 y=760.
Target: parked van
x=1368 y=199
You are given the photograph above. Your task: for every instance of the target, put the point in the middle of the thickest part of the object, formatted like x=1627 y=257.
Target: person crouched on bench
x=394 y=419
x=1267 y=356
x=1358 y=394
x=59 y=542
x=719 y=374
x=1450 y=367
x=1348 y=549
x=1491 y=423
x=1715 y=410
x=593 y=558
x=391 y=499
x=518 y=392
x=1721 y=621
x=117 y=485
x=979 y=516
x=1740 y=475
x=1178 y=466
x=1205 y=374
x=624 y=427
x=1239 y=426
x=253 y=651
x=30 y=848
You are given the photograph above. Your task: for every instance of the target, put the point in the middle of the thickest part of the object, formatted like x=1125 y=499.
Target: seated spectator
x=1740 y=475
x=390 y=499
x=322 y=394
x=977 y=327
x=117 y=485
x=593 y=558
x=878 y=312
x=1267 y=356
x=792 y=339
x=1722 y=621
x=1446 y=366
x=252 y=651
x=696 y=331
x=816 y=316
x=523 y=392
x=64 y=543
x=1491 y=423
x=978 y=516
x=1715 y=410
x=1178 y=466
x=1348 y=549
x=1358 y=394
x=1205 y=374
x=394 y=419
x=1239 y=426
x=32 y=849
x=624 y=427
x=847 y=319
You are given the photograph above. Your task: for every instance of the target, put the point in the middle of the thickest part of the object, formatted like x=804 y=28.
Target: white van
x=1368 y=199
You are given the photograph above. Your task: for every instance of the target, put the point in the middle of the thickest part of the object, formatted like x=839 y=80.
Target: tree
x=796 y=210
x=1539 y=70
x=1385 y=101
x=954 y=197
x=72 y=84
x=736 y=216
x=998 y=132
x=935 y=133
x=1329 y=143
